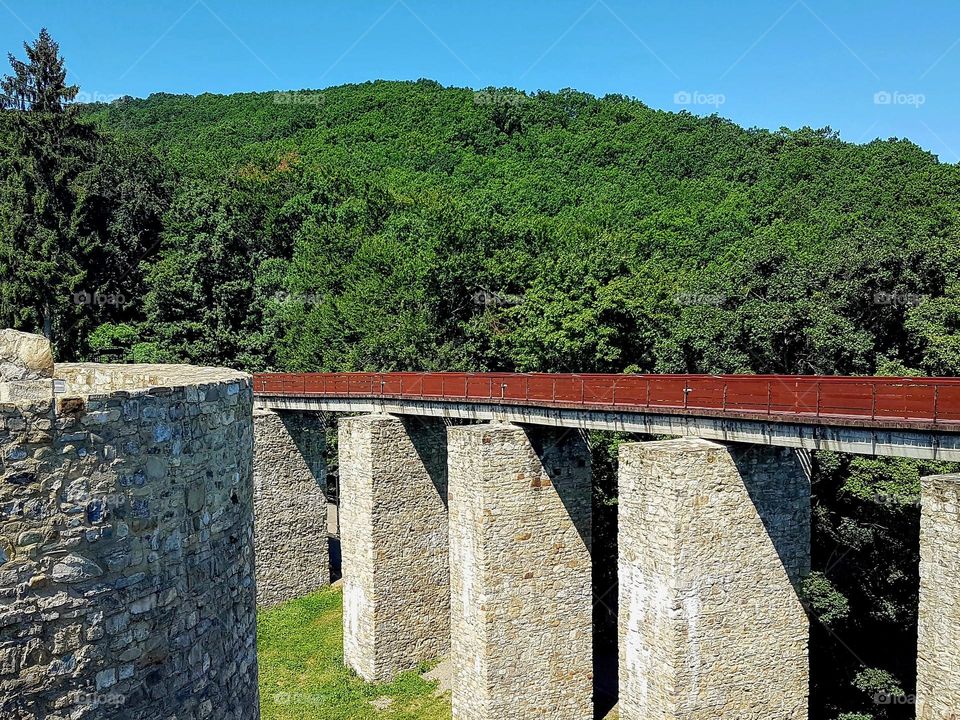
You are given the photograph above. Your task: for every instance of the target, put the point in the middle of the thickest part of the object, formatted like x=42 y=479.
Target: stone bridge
x=474 y=540
x=128 y=494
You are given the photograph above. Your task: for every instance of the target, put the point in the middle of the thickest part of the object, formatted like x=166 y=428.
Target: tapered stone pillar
x=712 y=539
x=521 y=598
x=290 y=505
x=393 y=534
x=938 y=646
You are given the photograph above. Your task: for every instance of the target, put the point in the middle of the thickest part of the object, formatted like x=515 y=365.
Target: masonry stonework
x=290 y=505
x=938 y=647
x=393 y=518
x=126 y=546
x=521 y=597
x=712 y=540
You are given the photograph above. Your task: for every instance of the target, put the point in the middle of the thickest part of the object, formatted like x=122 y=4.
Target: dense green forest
x=406 y=225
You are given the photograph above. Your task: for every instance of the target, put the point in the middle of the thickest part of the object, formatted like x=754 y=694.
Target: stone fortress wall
x=126 y=540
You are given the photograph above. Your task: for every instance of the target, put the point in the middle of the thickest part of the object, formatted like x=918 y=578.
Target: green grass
x=302 y=675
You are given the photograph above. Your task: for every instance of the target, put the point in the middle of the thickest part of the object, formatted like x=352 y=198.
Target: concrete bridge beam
x=393 y=513
x=712 y=538
x=938 y=647
x=521 y=597
x=290 y=505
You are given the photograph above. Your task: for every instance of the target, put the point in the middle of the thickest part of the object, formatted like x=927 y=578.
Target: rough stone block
x=521 y=593
x=712 y=540
x=24 y=356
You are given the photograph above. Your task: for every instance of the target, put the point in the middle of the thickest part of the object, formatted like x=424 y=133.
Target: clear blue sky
x=868 y=68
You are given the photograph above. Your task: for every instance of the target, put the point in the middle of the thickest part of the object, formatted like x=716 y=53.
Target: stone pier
x=393 y=518
x=938 y=647
x=290 y=505
x=713 y=538
x=521 y=597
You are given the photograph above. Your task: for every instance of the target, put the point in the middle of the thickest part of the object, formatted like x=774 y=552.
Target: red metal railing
x=893 y=401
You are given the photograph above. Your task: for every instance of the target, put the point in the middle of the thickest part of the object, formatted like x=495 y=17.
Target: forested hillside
x=405 y=225
x=396 y=225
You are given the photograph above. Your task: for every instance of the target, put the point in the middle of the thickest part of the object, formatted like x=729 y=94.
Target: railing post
x=614 y=400
x=724 y=395
x=769 y=397
x=873 y=401
x=936 y=403
x=648 y=390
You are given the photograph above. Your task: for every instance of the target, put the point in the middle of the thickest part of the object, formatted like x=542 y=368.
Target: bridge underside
x=475 y=541
x=861 y=440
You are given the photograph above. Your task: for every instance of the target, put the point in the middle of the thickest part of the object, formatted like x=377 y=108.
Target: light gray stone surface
x=24 y=356
x=712 y=539
x=393 y=534
x=521 y=596
x=290 y=505
x=126 y=549
x=938 y=646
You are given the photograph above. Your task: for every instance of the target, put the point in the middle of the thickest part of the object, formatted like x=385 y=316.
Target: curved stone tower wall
x=126 y=545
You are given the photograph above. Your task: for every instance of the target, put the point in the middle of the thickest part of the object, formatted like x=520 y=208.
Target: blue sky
x=879 y=68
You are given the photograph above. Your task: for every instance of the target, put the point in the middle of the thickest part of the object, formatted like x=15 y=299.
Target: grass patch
x=302 y=675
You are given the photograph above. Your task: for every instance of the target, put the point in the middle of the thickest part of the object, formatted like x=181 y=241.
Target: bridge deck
x=912 y=417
